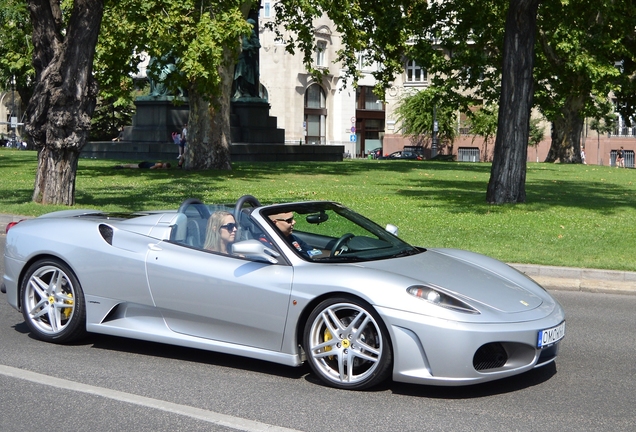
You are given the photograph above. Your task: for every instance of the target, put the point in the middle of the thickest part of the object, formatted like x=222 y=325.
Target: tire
x=347 y=344
x=53 y=303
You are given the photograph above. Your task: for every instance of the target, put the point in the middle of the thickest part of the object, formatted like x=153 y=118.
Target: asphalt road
x=106 y=383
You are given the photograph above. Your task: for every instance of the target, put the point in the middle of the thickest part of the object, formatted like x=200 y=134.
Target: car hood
x=472 y=276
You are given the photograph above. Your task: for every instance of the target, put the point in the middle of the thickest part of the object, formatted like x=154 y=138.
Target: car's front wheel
x=53 y=302
x=347 y=345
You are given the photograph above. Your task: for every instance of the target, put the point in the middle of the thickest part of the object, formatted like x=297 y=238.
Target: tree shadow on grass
x=347 y=168
x=421 y=182
x=469 y=195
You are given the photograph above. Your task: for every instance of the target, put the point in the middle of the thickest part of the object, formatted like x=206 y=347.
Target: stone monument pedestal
x=251 y=123
x=156 y=118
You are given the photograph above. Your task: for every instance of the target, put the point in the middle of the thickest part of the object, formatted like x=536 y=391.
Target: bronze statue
x=246 y=71
x=159 y=73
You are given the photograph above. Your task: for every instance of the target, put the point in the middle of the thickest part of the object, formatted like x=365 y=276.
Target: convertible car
x=358 y=304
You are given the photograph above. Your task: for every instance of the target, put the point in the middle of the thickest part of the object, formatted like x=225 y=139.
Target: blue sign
x=352 y=138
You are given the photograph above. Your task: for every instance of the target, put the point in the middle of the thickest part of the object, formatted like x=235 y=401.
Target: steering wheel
x=340 y=244
x=239 y=205
x=201 y=208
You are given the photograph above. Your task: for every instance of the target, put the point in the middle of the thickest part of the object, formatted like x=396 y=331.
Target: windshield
x=326 y=231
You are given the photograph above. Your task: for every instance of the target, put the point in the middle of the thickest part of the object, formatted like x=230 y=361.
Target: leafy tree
x=464 y=42
x=484 y=50
x=580 y=43
x=117 y=56
x=462 y=49
x=60 y=110
x=484 y=123
x=16 y=49
x=415 y=115
x=382 y=30
x=536 y=132
x=204 y=38
x=507 y=182
x=536 y=135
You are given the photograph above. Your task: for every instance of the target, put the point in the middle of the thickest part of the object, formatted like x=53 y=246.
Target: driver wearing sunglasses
x=285 y=223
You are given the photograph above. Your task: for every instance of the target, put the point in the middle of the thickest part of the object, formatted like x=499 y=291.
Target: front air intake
x=490 y=356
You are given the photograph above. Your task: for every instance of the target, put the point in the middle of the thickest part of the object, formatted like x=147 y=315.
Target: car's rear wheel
x=53 y=302
x=347 y=345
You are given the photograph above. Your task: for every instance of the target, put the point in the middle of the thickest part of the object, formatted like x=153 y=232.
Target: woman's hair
x=213 y=236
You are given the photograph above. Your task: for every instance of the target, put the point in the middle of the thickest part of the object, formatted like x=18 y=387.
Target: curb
x=580 y=279
x=550 y=277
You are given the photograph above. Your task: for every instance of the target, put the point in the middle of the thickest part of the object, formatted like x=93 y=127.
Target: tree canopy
x=471 y=49
x=415 y=114
x=580 y=45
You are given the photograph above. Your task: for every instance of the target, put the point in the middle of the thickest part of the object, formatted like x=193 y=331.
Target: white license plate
x=551 y=336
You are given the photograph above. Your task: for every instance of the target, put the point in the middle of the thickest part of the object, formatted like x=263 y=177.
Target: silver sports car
x=286 y=283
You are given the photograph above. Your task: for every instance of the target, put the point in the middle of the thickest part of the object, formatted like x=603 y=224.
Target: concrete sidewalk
x=550 y=277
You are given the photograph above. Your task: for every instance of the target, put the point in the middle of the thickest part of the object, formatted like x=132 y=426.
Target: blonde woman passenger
x=221 y=232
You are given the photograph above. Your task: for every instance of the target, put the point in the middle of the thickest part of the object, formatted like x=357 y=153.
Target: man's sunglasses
x=288 y=220
x=230 y=226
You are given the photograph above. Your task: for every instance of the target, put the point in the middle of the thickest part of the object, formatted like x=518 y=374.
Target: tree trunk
x=508 y=173
x=566 y=133
x=209 y=144
x=59 y=113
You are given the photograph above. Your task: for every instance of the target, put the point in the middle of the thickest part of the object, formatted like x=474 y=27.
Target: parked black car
x=403 y=154
x=418 y=150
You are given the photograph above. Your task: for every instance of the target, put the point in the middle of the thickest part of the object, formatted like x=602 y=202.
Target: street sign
x=353 y=129
x=14 y=122
x=353 y=120
x=352 y=138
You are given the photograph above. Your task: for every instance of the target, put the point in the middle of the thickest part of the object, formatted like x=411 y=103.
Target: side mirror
x=256 y=250
x=392 y=229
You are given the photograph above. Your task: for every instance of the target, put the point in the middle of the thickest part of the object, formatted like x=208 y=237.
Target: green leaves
x=15 y=43
x=416 y=111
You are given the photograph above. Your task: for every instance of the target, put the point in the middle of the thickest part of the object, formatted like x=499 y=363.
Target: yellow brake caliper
x=328 y=337
x=67 y=311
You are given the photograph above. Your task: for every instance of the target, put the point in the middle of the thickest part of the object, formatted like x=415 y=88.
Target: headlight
x=438 y=297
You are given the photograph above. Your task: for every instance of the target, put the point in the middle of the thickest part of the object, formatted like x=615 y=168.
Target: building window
x=315 y=115
x=321 y=53
x=367 y=100
x=266 y=11
x=315 y=97
x=414 y=73
x=366 y=63
x=468 y=154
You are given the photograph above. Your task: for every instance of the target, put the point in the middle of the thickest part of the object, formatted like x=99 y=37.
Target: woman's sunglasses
x=230 y=226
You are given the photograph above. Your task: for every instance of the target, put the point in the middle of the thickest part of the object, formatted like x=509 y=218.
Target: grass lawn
x=575 y=215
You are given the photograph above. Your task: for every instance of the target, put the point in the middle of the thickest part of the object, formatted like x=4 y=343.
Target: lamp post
x=435 y=129
x=14 y=119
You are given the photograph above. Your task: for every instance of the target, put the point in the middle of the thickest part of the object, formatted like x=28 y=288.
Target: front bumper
x=448 y=353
